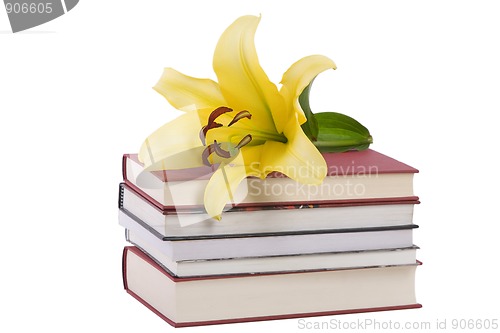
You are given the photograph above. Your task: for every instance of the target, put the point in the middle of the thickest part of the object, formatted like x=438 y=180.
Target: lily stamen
x=246 y=140
x=206 y=154
x=211 y=121
x=213 y=148
x=221 y=152
x=217 y=113
x=239 y=116
x=204 y=130
x=216 y=148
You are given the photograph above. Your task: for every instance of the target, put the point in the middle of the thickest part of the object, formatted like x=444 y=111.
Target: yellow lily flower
x=243 y=124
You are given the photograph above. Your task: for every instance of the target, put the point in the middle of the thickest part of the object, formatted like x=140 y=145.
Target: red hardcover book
x=242 y=298
x=360 y=177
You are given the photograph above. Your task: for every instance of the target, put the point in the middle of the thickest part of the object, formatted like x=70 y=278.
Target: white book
x=258 y=246
x=275 y=264
x=264 y=220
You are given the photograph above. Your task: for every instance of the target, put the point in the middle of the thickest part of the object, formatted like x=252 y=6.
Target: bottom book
x=253 y=297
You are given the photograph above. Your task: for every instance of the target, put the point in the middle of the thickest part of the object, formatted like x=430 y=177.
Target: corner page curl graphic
x=26 y=14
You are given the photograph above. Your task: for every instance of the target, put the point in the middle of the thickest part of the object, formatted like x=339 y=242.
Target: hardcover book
x=241 y=298
x=361 y=176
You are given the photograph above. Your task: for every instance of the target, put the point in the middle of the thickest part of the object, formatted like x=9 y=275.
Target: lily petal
x=224 y=187
x=221 y=189
x=244 y=84
x=299 y=76
x=187 y=93
x=250 y=157
x=298 y=159
x=177 y=139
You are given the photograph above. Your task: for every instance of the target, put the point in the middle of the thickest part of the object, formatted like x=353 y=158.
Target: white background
x=75 y=94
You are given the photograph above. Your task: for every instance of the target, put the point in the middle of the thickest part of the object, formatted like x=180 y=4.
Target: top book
x=355 y=176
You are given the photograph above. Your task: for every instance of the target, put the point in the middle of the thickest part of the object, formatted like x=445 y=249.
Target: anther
x=221 y=152
x=204 y=130
x=211 y=121
x=246 y=140
x=217 y=113
x=206 y=154
x=239 y=116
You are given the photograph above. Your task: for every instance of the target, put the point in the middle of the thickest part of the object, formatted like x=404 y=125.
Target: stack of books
x=287 y=250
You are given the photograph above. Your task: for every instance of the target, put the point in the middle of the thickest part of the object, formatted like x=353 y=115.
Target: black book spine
x=120 y=196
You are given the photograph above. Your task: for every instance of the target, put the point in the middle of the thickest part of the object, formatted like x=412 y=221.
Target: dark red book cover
x=365 y=162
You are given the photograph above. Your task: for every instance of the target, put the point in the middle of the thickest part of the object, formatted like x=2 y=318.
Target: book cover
x=348 y=163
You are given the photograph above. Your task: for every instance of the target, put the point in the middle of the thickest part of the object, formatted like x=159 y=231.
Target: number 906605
x=29 y=8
